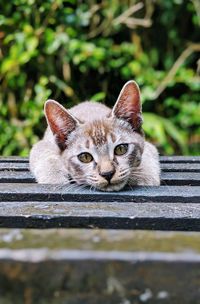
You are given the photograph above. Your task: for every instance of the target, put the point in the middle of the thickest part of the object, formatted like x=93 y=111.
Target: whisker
x=92 y=180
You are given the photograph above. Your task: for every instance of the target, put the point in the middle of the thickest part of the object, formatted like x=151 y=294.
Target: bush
x=73 y=51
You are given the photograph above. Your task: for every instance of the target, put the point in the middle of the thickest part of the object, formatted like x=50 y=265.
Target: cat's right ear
x=61 y=122
x=128 y=106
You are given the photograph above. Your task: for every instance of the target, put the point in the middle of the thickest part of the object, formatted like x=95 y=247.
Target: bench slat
x=166 y=167
x=163 y=159
x=154 y=216
x=14 y=159
x=180 y=159
x=16 y=177
x=100 y=239
x=19 y=166
x=168 y=178
x=180 y=167
x=180 y=178
x=39 y=192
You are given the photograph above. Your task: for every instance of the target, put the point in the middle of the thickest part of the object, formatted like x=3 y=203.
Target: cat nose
x=108 y=175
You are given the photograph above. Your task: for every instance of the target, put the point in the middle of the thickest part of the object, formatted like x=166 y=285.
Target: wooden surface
x=133 y=263
x=98 y=266
x=173 y=206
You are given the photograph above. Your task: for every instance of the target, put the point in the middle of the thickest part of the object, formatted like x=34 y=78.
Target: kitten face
x=103 y=152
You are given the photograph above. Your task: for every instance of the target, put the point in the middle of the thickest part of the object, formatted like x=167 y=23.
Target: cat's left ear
x=128 y=106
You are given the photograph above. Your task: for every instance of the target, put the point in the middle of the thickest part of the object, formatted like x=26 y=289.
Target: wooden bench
x=144 y=245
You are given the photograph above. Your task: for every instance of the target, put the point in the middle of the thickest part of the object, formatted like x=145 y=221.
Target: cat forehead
x=100 y=130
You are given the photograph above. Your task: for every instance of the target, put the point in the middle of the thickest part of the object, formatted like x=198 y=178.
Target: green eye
x=85 y=157
x=121 y=149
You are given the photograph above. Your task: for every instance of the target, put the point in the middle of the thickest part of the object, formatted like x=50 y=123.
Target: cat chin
x=112 y=187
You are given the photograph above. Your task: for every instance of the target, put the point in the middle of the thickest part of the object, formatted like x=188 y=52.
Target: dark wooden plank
x=16 y=177
x=108 y=215
x=180 y=159
x=39 y=192
x=49 y=277
x=14 y=166
x=168 y=178
x=179 y=178
x=98 y=279
x=173 y=167
x=166 y=167
x=13 y=159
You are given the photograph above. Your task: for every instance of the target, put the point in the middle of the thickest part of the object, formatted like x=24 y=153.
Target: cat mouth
x=113 y=186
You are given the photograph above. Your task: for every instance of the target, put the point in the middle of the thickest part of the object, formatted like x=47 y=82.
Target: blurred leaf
x=98 y=97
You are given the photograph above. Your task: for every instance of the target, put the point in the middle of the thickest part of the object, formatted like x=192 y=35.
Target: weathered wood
x=180 y=159
x=100 y=240
x=100 y=266
x=63 y=277
x=91 y=275
x=41 y=192
x=16 y=166
x=14 y=159
x=166 y=167
x=47 y=206
x=179 y=178
x=16 y=177
x=167 y=178
x=26 y=204
x=109 y=215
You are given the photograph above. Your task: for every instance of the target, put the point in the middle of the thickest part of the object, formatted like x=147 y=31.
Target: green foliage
x=75 y=50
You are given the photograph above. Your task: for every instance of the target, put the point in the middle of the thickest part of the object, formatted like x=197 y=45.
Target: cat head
x=103 y=152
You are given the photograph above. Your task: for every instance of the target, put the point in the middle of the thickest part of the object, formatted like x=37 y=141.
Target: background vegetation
x=77 y=50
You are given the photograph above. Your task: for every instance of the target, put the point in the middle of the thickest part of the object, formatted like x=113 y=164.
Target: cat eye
x=121 y=149
x=85 y=157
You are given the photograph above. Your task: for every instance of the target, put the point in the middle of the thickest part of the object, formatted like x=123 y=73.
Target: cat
x=92 y=145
